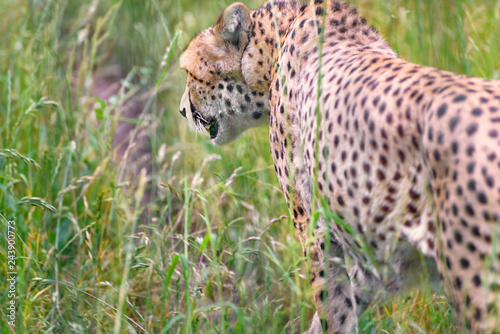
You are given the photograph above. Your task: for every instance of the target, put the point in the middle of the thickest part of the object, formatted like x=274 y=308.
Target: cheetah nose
x=183 y=112
x=184 y=107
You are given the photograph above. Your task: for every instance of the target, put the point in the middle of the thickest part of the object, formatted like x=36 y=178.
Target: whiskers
x=199 y=123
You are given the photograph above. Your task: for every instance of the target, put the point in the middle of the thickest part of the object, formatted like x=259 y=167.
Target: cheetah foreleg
x=333 y=294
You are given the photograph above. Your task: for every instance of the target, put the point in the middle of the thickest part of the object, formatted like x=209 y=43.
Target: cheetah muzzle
x=404 y=159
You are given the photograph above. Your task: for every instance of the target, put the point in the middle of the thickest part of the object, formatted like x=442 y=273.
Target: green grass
x=192 y=246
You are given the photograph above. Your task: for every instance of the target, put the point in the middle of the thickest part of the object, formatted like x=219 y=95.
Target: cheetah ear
x=233 y=25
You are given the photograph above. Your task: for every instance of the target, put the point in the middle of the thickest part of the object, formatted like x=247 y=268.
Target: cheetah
x=398 y=159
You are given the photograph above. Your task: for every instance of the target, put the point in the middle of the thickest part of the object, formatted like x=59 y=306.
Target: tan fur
x=405 y=158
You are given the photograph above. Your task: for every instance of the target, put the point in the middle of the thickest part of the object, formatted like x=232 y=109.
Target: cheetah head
x=221 y=98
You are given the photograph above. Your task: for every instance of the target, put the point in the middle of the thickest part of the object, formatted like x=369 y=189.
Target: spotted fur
x=404 y=158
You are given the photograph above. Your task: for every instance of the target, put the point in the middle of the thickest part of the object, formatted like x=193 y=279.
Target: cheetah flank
x=406 y=156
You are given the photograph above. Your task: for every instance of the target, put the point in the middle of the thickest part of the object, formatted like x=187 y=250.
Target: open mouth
x=211 y=125
x=213 y=129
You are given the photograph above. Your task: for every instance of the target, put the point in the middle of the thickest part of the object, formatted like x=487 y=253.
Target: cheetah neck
x=276 y=21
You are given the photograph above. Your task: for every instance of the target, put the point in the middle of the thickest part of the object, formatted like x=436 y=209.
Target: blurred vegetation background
x=126 y=220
